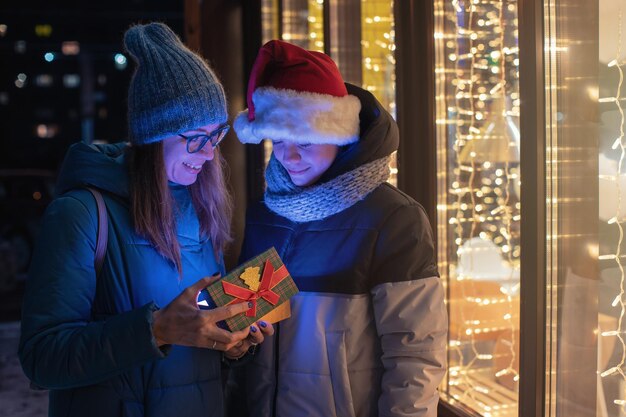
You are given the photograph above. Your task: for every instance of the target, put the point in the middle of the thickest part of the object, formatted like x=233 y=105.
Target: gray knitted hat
x=173 y=90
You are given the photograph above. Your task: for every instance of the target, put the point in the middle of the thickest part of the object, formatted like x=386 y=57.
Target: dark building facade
x=63 y=79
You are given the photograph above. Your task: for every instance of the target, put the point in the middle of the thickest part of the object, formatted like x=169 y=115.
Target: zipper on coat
x=276 y=357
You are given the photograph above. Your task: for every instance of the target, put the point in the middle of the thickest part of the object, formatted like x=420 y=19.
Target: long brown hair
x=152 y=205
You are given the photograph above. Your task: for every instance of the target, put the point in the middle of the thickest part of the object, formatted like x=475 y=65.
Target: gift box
x=264 y=281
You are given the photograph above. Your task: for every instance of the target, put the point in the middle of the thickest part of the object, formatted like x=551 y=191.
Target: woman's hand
x=258 y=331
x=181 y=322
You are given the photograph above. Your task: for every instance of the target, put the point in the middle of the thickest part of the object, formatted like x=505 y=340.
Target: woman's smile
x=193 y=167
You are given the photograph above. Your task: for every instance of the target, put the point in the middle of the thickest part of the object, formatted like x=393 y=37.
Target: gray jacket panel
x=412 y=322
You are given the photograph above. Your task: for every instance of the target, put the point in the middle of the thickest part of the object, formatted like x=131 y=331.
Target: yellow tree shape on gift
x=252 y=277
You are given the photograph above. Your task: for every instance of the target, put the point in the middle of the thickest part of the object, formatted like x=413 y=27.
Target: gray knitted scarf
x=305 y=204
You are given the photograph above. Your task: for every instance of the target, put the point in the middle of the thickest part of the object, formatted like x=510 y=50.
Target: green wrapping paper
x=263 y=280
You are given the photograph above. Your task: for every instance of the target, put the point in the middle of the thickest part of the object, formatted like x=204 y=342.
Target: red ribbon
x=269 y=280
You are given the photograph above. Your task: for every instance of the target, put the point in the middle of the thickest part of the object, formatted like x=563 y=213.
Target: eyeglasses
x=196 y=142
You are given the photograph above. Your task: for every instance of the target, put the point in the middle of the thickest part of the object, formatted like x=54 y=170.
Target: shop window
x=478 y=199
x=586 y=185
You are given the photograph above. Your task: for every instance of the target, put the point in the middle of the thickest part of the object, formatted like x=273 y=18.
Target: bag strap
x=101 y=245
x=103 y=230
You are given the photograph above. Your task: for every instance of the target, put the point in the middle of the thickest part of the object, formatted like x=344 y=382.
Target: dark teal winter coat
x=89 y=340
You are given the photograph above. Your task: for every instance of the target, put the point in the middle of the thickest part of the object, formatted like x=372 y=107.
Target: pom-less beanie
x=173 y=90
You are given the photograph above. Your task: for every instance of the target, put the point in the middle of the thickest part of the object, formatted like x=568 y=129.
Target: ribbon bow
x=269 y=280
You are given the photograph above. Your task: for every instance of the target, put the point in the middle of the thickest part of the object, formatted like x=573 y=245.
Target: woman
x=100 y=343
x=367 y=335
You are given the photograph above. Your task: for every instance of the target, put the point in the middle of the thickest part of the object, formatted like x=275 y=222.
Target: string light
x=618 y=145
x=477 y=77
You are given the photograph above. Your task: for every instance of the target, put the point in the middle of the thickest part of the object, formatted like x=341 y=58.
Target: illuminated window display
x=479 y=233
x=477 y=110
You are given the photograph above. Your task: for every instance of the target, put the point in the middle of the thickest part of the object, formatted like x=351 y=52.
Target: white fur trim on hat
x=300 y=117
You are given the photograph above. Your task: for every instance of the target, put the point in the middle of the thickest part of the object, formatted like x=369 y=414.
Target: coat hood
x=379 y=136
x=100 y=166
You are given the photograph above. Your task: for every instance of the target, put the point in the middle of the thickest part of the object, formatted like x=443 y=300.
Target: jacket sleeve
x=60 y=346
x=410 y=314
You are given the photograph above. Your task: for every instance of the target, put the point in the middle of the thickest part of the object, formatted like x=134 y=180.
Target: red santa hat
x=299 y=96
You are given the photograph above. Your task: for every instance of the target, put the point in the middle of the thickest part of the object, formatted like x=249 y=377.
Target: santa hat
x=297 y=95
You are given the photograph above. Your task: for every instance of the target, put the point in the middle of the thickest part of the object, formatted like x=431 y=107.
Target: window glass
x=478 y=201
x=585 y=208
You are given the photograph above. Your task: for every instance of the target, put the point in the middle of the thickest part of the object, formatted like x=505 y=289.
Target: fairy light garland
x=481 y=64
x=618 y=145
x=507 y=220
